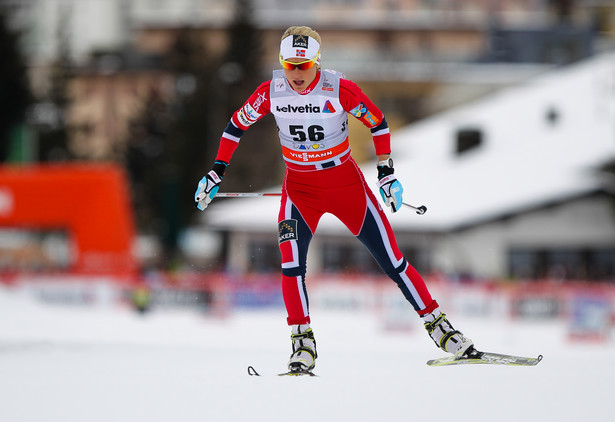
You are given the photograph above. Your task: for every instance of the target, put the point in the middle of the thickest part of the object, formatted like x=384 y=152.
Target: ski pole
x=245 y=194
x=419 y=210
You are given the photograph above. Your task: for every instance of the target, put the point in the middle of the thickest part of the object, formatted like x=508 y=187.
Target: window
x=594 y=264
x=468 y=139
x=341 y=257
x=355 y=257
x=264 y=256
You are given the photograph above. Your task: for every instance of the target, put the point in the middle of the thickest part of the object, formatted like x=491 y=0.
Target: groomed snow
x=108 y=363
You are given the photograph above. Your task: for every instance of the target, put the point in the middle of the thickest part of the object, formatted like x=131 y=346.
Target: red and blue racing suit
x=322 y=177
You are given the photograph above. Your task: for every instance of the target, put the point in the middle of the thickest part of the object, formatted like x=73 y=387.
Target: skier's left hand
x=390 y=188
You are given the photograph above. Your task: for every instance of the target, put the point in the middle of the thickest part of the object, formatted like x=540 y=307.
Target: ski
x=252 y=372
x=486 y=358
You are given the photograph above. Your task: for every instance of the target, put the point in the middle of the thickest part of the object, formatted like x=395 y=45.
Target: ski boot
x=445 y=336
x=303 y=357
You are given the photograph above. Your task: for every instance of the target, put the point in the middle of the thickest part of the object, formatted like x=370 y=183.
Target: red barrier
x=90 y=201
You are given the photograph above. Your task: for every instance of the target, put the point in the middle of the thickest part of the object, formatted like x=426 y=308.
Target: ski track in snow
x=60 y=363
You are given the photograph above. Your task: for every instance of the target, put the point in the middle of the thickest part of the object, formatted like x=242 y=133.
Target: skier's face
x=300 y=79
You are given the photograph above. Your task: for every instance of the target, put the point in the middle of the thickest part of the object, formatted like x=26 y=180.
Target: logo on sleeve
x=243 y=119
x=250 y=113
x=287 y=230
x=359 y=111
x=371 y=119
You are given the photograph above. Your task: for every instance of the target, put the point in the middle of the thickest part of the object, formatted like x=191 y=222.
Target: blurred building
x=517 y=184
x=413 y=58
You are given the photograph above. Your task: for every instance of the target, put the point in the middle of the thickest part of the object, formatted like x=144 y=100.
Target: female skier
x=311 y=106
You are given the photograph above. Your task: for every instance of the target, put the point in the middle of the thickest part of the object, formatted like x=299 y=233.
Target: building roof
x=543 y=141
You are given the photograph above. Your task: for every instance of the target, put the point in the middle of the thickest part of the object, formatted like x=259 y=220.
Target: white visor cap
x=300 y=47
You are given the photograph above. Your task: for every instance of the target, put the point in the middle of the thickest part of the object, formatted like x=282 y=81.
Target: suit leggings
x=343 y=192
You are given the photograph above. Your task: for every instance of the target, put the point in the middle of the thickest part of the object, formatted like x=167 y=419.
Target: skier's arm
x=360 y=106
x=249 y=113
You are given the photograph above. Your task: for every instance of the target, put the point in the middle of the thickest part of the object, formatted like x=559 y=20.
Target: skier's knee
x=395 y=272
x=293 y=271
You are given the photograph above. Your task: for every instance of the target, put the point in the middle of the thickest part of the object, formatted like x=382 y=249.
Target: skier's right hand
x=209 y=185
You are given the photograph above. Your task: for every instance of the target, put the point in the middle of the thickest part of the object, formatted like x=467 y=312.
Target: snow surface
x=107 y=363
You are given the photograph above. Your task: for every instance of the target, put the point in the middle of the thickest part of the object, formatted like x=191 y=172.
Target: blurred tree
x=14 y=87
x=53 y=133
x=186 y=151
x=257 y=164
x=563 y=10
x=173 y=144
x=167 y=149
x=145 y=161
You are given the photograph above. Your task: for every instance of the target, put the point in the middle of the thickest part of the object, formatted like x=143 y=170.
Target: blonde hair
x=302 y=30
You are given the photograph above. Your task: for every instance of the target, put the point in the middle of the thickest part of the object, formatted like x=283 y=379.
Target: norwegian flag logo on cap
x=300 y=53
